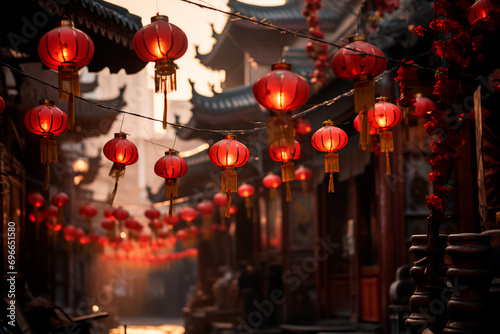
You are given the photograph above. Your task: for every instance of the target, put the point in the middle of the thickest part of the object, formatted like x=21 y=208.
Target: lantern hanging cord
x=269 y=25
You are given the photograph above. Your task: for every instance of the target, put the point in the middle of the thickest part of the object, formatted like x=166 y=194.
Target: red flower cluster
x=318 y=52
x=446 y=88
x=419 y=31
x=407 y=78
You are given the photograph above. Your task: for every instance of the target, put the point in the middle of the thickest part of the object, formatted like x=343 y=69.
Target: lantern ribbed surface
x=283 y=152
x=160 y=40
x=229 y=153
x=171 y=166
x=46 y=119
x=349 y=64
x=65 y=45
x=385 y=114
x=281 y=89
x=329 y=138
x=120 y=150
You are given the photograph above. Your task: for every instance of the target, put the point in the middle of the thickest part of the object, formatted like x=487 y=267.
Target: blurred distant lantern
x=109 y=213
x=60 y=199
x=281 y=91
x=171 y=167
x=171 y=220
x=80 y=166
x=69 y=233
x=51 y=212
x=65 y=49
x=373 y=132
x=88 y=211
x=122 y=152
x=206 y=209
x=133 y=227
x=47 y=121
x=127 y=246
x=233 y=209
x=479 y=10
x=271 y=181
x=421 y=108
x=121 y=214
x=229 y=154
x=181 y=235
x=155 y=225
x=302 y=126
x=37 y=200
x=330 y=139
x=280 y=151
x=2 y=105
x=246 y=191
x=361 y=62
x=220 y=199
x=303 y=174
x=194 y=231
x=385 y=115
x=188 y=214
x=109 y=226
x=161 y=42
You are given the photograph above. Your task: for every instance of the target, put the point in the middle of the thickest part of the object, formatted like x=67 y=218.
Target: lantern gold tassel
x=229 y=180
x=330 y=184
x=228 y=204
x=113 y=193
x=386 y=145
x=116 y=172
x=165 y=82
x=387 y=164
x=331 y=166
x=171 y=191
x=288 y=174
x=68 y=82
x=364 y=100
x=280 y=128
x=165 y=106
x=48 y=154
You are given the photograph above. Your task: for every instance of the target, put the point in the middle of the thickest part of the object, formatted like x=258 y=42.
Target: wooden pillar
x=354 y=263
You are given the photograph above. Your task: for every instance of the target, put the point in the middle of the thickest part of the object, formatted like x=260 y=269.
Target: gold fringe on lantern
x=69 y=87
x=331 y=166
x=288 y=174
x=364 y=100
x=117 y=171
x=248 y=206
x=280 y=128
x=48 y=154
x=229 y=180
x=171 y=191
x=386 y=145
x=228 y=205
x=165 y=82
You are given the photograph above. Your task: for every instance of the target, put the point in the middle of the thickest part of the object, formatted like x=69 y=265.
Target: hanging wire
x=282 y=35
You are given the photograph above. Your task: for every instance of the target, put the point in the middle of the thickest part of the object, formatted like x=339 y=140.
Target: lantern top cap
x=121 y=135
x=159 y=18
x=357 y=38
x=66 y=23
x=382 y=99
x=229 y=136
x=48 y=102
x=281 y=66
x=418 y=95
x=171 y=152
x=328 y=122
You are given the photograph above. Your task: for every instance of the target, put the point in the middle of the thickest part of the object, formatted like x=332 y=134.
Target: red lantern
x=245 y=191
x=188 y=214
x=122 y=152
x=233 y=209
x=171 y=220
x=131 y=224
x=161 y=42
x=152 y=214
x=171 y=167
x=47 y=121
x=421 y=108
x=69 y=233
x=109 y=213
x=181 y=235
x=65 y=49
x=385 y=115
x=229 y=154
x=303 y=174
x=206 y=209
x=2 y=105
x=479 y=10
x=108 y=225
x=127 y=246
x=79 y=234
x=281 y=91
x=88 y=211
x=330 y=139
x=353 y=63
x=37 y=200
x=302 y=126
x=271 y=181
x=60 y=199
x=280 y=151
x=121 y=214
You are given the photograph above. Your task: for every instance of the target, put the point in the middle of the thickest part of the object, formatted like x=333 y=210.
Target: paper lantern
x=37 y=200
x=271 y=181
x=108 y=225
x=121 y=214
x=352 y=63
x=385 y=115
x=88 y=211
x=109 y=213
x=69 y=233
x=171 y=167
x=280 y=151
x=152 y=213
x=479 y=11
x=206 y=209
x=2 y=105
x=65 y=49
x=303 y=174
x=161 y=42
x=246 y=191
x=188 y=214
x=229 y=154
x=123 y=153
x=302 y=126
x=171 y=220
x=59 y=200
x=281 y=91
x=330 y=139
x=47 y=121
